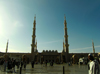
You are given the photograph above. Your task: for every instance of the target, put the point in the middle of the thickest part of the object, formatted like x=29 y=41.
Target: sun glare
x=6 y=21
x=1 y=26
x=2 y=12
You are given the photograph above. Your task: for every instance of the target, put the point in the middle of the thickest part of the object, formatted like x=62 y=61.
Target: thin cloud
x=86 y=48
x=10 y=27
x=82 y=48
x=17 y=24
x=97 y=46
x=9 y=50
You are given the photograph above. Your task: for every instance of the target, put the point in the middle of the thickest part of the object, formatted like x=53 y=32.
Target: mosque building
x=50 y=55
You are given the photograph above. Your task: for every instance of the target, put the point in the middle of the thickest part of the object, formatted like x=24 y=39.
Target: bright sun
x=2 y=15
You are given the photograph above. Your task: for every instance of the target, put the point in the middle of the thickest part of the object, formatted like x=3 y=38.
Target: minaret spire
x=66 y=36
x=65 y=43
x=33 y=36
x=7 y=47
x=64 y=17
x=36 y=44
x=93 y=46
x=35 y=17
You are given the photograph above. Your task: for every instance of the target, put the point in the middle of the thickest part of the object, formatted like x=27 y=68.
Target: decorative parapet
x=46 y=50
x=52 y=50
x=49 y=51
x=43 y=51
x=56 y=51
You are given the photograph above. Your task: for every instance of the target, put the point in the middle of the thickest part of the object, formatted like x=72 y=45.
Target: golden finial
x=35 y=17
x=64 y=17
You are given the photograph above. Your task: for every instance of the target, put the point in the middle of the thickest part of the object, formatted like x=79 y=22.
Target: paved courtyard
x=56 y=69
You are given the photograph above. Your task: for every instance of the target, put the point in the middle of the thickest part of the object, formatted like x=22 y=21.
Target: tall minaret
x=63 y=45
x=93 y=46
x=66 y=36
x=33 y=36
x=7 y=47
x=36 y=44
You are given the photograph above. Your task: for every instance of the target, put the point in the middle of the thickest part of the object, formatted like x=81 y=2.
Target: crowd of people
x=45 y=63
x=9 y=65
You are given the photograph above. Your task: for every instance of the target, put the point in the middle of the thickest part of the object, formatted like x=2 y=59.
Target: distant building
x=50 y=55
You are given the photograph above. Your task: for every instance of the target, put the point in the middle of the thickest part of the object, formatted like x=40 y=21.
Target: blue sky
x=83 y=23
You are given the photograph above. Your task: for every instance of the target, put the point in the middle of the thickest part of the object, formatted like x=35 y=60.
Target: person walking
x=21 y=63
x=96 y=66
x=25 y=64
x=32 y=63
x=17 y=64
x=52 y=63
x=13 y=65
x=46 y=63
x=9 y=66
x=5 y=65
x=43 y=63
x=92 y=65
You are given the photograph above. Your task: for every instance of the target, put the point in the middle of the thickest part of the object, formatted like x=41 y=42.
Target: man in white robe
x=92 y=65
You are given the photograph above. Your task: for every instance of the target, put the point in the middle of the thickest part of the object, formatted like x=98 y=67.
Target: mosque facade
x=54 y=55
x=50 y=55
